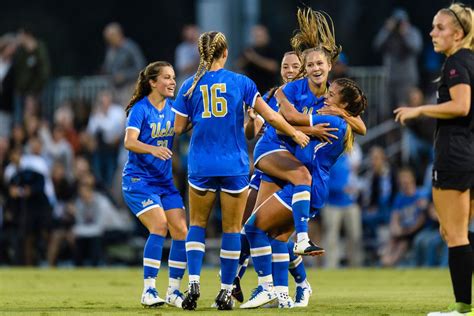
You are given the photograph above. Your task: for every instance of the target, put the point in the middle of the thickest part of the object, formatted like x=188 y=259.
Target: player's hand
x=252 y=114
x=406 y=113
x=162 y=153
x=332 y=110
x=301 y=139
x=323 y=132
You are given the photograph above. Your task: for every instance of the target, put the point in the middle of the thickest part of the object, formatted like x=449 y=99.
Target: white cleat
x=302 y=296
x=306 y=247
x=285 y=301
x=260 y=297
x=150 y=298
x=175 y=299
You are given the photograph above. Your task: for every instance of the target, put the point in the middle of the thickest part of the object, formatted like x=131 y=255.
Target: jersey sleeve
x=180 y=104
x=250 y=91
x=135 y=118
x=455 y=72
x=291 y=90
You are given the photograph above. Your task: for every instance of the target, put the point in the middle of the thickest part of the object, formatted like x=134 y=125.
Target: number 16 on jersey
x=218 y=104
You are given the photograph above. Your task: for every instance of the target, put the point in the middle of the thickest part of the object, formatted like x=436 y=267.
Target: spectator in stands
x=107 y=125
x=408 y=218
x=56 y=147
x=63 y=217
x=342 y=210
x=31 y=210
x=8 y=46
x=429 y=247
x=186 y=57
x=64 y=118
x=259 y=61
x=31 y=68
x=340 y=68
x=123 y=61
x=379 y=184
x=399 y=42
x=90 y=223
x=417 y=137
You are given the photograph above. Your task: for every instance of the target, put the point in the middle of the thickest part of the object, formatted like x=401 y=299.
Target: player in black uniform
x=453 y=170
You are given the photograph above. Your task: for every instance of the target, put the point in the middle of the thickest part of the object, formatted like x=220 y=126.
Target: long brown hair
x=142 y=87
x=211 y=46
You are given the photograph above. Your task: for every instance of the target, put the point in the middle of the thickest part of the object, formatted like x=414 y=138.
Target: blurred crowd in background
x=60 y=174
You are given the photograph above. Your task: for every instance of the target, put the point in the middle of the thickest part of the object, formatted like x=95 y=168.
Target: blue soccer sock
x=261 y=252
x=195 y=247
x=176 y=264
x=152 y=258
x=296 y=267
x=280 y=263
x=300 y=205
x=230 y=253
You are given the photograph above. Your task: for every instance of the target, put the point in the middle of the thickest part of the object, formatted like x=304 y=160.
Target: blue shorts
x=229 y=184
x=285 y=195
x=268 y=144
x=140 y=196
x=255 y=179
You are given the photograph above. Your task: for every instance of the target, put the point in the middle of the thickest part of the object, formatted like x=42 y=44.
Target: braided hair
x=211 y=45
x=142 y=87
x=356 y=104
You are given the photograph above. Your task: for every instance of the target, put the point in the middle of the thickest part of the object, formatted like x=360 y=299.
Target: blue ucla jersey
x=216 y=109
x=319 y=157
x=157 y=129
x=410 y=208
x=304 y=101
x=300 y=95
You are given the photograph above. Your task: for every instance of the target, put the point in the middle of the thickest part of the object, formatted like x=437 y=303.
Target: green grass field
x=112 y=291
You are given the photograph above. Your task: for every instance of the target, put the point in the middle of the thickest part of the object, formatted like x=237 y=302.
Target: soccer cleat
x=175 y=299
x=237 y=290
x=259 y=297
x=307 y=248
x=150 y=298
x=224 y=300
x=455 y=309
x=285 y=301
x=190 y=301
x=302 y=296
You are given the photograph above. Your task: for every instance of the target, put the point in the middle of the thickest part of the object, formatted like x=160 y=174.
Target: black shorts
x=453 y=180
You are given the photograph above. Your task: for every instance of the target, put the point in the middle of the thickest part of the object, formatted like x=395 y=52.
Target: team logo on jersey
x=158 y=130
x=134 y=180
x=145 y=203
x=453 y=73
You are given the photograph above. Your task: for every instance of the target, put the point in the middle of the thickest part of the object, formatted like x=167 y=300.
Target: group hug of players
x=305 y=125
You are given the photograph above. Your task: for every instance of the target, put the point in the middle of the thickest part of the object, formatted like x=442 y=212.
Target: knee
x=453 y=237
x=301 y=176
x=178 y=230
x=159 y=228
x=231 y=226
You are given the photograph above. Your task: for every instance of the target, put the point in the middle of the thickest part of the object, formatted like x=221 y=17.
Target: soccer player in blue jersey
x=214 y=101
x=147 y=183
x=298 y=101
x=290 y=67
x=270 y=226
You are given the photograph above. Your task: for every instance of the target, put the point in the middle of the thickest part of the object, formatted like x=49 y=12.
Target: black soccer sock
x=460 y=267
